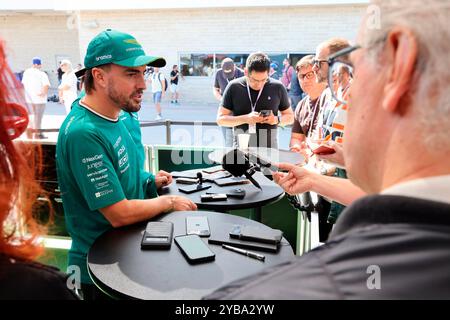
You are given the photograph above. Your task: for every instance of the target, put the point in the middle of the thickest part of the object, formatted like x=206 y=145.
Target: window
x=196 y=64
x=206 y=64
x=239 y=59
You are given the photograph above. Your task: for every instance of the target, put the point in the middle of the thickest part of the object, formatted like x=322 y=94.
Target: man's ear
x=99 y=76
x=400 y=55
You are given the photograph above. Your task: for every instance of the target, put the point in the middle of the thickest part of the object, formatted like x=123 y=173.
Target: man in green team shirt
x=99 y=162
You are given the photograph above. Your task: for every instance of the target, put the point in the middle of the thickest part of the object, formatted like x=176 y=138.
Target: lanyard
x=313 y=116
x=250 y=96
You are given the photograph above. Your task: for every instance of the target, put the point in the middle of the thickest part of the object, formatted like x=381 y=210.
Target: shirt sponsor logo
x=121 y=150
x=96 y=172
x=116 y=144
x=103 y=193
x=123 y=160
x=94 y=158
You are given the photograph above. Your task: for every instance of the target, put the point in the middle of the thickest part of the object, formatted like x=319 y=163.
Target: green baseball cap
x=112 y=46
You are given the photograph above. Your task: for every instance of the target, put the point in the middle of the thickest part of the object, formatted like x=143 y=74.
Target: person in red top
x=288 y=72
x=20 y=277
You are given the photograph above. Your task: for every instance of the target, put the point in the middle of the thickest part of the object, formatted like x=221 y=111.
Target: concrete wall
x=170 y=32
x=27 y=35
x=243 y=30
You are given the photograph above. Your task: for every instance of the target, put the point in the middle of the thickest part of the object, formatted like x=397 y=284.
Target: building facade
x=196 y=37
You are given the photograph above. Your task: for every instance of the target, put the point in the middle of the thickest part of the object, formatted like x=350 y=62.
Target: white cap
x=65 y=61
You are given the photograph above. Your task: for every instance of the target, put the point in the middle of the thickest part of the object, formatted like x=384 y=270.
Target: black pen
x=245 y=252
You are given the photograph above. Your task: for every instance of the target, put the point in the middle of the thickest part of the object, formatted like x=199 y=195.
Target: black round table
x=254 y=198
x=118 y=266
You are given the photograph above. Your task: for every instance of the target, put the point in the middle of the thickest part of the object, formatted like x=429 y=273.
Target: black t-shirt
x=27 y=280
x=173 y=73
x=273 y=97
x=223 y=79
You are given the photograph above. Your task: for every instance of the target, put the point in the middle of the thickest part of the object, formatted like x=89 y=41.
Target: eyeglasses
x=340 y=73
x=309 y=75
x=318 y=62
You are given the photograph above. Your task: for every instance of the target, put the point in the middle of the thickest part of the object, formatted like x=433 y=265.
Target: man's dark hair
x=258 y=62
x=88 y=79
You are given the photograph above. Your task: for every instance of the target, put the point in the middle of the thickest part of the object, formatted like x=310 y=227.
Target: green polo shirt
x=98 y=164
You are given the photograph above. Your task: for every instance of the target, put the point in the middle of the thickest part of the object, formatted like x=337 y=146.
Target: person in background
x=21 y=278
x=67 y=90
x=273 y=71
x=36 y=85
x=158 y=85
x=59 y=72
x=174 y=78
x=245 y=98
x=295 y=92
x=228 y=72
x=307 y=111
x=394 y=243
x=288 y=74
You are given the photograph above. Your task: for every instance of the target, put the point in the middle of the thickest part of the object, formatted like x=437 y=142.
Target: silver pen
x=247 y=253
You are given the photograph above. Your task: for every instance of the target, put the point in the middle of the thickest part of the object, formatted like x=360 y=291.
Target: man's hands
x=296 y=180
x=336 y=158
x=163 y=179
x=255 y=117
x=178 y=203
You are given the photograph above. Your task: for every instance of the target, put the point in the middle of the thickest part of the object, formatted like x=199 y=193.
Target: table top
x=118 y=265
x=254 y=197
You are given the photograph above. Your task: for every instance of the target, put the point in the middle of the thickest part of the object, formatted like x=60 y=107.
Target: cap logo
x=132 y=41
x=106 y=56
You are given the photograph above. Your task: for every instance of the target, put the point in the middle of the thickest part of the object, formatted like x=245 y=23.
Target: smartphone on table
x=194 y=249
x=197 y=225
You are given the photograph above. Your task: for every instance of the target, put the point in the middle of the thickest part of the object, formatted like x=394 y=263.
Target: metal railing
x=167 y=123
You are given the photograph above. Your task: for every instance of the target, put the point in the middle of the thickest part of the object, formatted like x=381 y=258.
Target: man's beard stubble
x=125 y=103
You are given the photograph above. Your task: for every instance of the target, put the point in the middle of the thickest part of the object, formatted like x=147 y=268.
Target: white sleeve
x=44 y=79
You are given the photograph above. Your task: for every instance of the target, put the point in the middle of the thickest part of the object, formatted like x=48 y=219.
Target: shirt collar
x=432 y=188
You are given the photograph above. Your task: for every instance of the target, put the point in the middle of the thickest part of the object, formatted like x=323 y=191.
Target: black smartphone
x=197 y=225
x=265 y=113
x=194 y=249
x=157 y=235
x=237 y=193
x=193 y=188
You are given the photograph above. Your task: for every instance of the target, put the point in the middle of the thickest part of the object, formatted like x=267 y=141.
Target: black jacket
x=399 y=244
x=27 y=280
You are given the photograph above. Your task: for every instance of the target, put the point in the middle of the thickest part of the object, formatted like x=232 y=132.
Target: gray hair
x=306 y=61
x=428 y=21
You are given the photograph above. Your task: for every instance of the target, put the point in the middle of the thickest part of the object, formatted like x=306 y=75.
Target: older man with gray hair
x=395 y=243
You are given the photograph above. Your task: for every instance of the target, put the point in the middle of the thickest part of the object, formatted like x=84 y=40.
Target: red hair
x=19 y=164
